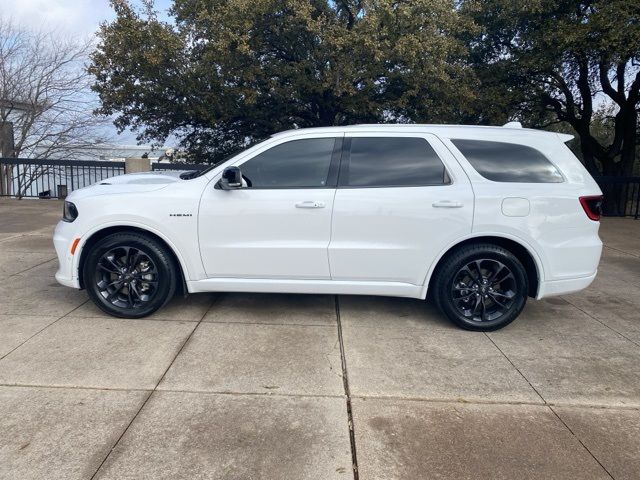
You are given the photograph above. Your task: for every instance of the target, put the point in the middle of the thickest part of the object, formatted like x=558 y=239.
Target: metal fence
x=21 y=177
x=158 y=167
x=35 y=178
x=621 y=196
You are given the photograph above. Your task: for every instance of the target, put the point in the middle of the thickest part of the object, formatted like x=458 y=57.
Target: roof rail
x=512 y=125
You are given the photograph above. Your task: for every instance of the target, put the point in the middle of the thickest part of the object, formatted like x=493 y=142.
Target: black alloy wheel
x=126 y=277
x=480 y=287
x=130 y=275
x=483 y=290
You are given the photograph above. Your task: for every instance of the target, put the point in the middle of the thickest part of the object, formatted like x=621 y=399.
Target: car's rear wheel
x=481 y=287
x=129 y=275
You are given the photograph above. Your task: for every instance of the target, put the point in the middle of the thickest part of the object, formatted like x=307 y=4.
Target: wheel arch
x=523 y=252
x=101 y=233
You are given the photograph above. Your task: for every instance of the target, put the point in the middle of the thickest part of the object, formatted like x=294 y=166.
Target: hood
x=130 y=183
x=144 y=178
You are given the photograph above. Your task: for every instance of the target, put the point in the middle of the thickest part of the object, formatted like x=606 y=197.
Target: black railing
x=21 y=177
x=156 y=167
x=621 y=196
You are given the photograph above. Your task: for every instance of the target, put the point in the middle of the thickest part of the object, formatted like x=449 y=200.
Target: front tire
x=129 y=275
x=481 y=287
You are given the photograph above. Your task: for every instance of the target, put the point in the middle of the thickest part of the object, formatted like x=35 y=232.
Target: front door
x=278 y=225
x=401 y=200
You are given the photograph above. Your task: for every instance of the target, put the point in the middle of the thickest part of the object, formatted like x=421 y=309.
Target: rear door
x=402 y=198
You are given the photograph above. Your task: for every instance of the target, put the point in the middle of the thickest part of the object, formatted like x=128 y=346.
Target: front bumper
x=63 y=237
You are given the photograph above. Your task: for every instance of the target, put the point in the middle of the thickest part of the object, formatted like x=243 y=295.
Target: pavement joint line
x=31 y=268
x=275 y=324
x=13 y=314
x=621 y=251
x=549 y=407
x=600 y=322
x=249 y=394
x=581 y=442
x=516 y=368
x=311 y=395
x=454 y=401
x=17 y=235
x=171 y=390
x=345 y=380
x=426 y=328
x=144 y=319
x=42 y=329
x=75 y=387
x=22 y=250
x=144 y=402
x=148 y=397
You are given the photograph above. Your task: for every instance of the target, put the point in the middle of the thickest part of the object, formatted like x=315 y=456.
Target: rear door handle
x=310 y=204
x=447 y=204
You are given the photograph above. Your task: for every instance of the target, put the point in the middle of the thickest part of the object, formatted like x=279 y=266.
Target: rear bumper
x=553 y=288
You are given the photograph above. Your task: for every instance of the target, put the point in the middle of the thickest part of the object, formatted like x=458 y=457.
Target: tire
x=148 y=281
x=484 y=302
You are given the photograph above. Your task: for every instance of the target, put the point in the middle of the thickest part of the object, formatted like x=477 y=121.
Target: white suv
x=478 y=217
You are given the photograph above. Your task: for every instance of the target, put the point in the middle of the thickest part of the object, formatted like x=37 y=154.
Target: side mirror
x=231 y=178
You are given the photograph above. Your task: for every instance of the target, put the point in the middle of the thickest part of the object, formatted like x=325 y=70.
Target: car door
x=401 y=199
x=278 y=225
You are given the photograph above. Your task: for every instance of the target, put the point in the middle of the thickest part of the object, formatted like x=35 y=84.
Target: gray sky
x=73 y=18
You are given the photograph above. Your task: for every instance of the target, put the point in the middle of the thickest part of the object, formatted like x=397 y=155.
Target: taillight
x=592 y=206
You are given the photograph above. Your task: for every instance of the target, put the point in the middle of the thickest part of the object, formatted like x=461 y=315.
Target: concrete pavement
x=244 y=386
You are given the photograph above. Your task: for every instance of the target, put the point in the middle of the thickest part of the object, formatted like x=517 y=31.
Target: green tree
x=552 y=61
x=225 y=72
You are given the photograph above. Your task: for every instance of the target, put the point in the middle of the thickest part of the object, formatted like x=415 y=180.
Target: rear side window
x=295 y=164
x=508 y=162
x=392 y=162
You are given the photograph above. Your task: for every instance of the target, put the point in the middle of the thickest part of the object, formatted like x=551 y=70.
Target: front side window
x=508 y=162
x=392 y=162
x=295 y=164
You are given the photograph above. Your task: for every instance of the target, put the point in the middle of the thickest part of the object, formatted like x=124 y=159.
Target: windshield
x=197 y=173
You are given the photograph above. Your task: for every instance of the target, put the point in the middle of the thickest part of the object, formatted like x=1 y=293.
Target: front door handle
x=447 y=204
x=310 y=204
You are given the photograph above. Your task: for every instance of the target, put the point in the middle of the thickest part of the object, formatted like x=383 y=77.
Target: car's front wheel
x=129 y=275
x=481 y=287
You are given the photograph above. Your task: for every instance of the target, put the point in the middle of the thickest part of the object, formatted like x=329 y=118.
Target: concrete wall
x=136 y=165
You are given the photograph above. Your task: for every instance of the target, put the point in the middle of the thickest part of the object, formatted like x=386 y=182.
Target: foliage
x=226 y=72
x=550 y=61
x=222 y=73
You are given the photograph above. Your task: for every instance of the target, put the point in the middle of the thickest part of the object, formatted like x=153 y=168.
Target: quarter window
x=393 y=162
x=508 y=162
x=295 y=164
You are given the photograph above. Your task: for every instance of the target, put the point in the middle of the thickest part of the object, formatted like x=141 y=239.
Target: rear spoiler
x=564 y=137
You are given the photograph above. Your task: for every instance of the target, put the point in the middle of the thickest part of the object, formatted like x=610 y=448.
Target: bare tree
x=45 y=94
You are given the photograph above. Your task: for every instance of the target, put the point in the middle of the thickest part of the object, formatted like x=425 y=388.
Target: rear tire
x=129 y=275
x=481 y=287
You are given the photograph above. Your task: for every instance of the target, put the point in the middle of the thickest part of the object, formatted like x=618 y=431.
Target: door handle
x=447 y=204
x=310 y=204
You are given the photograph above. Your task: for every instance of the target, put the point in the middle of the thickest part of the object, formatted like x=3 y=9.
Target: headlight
x=69 y=212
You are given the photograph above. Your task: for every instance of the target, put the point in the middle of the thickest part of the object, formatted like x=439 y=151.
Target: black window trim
x=332 y=174
x=346 y=158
